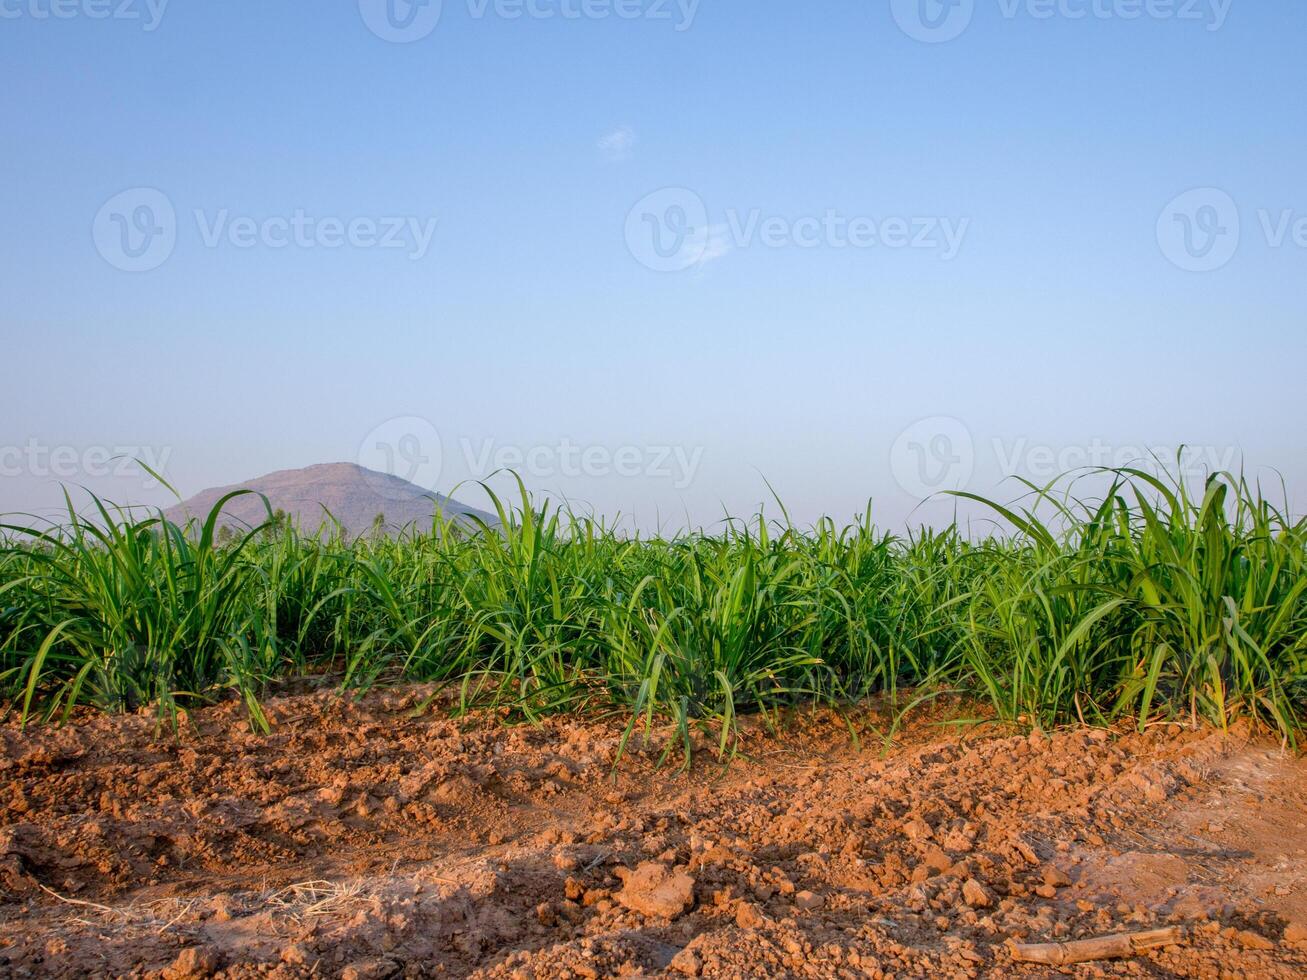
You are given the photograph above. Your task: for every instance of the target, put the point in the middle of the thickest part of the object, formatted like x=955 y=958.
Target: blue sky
x=1067 y=319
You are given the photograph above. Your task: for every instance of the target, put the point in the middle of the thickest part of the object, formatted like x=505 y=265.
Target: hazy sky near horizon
x=650 y=252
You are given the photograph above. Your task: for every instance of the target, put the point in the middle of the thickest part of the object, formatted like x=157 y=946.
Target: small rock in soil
x=1253 y=940
x=1056 y=877
x=685 y=962
x=807 y=900
x=747 y=916
x=653 y=890
x=974 y=894
x=197 y=961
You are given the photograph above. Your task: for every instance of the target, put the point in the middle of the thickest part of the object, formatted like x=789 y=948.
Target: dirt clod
x=975 y=894
x=369 y=969
x=196 y=961
x=807 y=900
x=1252 y=940
x=651 y=889
x=685 y=962
x=1056 y=877
x=747 y=916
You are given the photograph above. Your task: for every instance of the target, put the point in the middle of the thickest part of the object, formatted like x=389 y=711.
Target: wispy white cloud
x=704 y=245
x=617 y=145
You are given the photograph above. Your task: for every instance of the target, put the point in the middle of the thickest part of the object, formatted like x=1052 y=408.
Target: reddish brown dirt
x=361 y=841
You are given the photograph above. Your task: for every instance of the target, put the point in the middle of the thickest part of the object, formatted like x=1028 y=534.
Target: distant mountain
x=355 y=496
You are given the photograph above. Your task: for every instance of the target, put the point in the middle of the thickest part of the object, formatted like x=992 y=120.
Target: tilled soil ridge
x=369 y=840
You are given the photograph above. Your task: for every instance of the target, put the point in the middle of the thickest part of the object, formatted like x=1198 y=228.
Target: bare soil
x=369 y=840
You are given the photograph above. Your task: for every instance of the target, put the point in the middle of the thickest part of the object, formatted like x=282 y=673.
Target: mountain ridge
x=352 y=494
